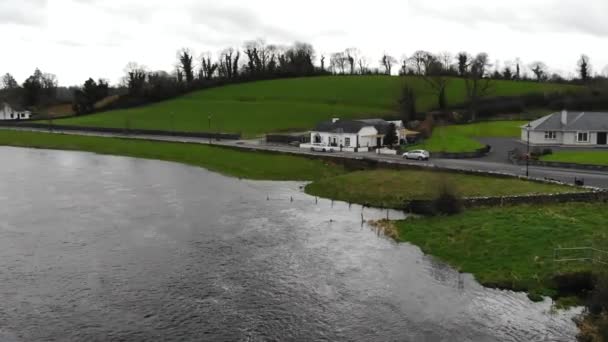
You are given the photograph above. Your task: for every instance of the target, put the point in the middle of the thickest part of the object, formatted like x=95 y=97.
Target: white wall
x=570 y=139
x=563 y=138
x=365 y=140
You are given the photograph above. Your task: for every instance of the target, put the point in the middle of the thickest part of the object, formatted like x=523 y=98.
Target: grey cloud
x=563 y=16
x=234 y=22
x=23 y=12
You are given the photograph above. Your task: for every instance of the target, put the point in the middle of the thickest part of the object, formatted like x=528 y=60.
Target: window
x=550 y=135
x=347 y=142
x=582 y=137
x=12 y=116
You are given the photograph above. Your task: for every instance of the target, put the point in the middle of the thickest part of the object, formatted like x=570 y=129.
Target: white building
x=8 y=113
x=351 y=135
x=568 y=129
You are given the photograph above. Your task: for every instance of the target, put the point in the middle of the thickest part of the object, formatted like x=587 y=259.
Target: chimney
x=564 y=117
x=334 y=120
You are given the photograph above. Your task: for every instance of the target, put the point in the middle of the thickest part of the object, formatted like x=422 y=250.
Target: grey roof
x=576 y=121
x=352 y=126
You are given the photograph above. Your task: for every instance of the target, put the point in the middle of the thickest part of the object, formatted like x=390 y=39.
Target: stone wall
x=426 y=207
x=463 y=155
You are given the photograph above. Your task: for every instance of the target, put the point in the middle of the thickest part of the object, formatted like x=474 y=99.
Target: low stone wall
x=463 y=155
x=287 y=138
x=426 y=207
x=51 y=127
x=565 y=165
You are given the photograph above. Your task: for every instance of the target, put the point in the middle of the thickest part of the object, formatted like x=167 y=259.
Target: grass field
x=461 y=138
x=579 y=157
x=390 y=188
x=510 y=247
x=288 y=104
x=230 y=162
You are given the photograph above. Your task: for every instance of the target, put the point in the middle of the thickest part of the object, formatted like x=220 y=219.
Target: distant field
x=579 y=157
x=289 y=104
x=461 y=138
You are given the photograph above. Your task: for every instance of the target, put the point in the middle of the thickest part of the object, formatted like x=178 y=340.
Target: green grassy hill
x=288 y=104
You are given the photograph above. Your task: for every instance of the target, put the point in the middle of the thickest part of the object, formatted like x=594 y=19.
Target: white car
x=322 y=148
x=417 y=154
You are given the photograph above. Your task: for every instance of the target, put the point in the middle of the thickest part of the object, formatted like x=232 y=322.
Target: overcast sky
x=77 y=39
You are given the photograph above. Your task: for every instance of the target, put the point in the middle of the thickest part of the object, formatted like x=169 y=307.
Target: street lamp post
x=528 y=151
x=209 y=119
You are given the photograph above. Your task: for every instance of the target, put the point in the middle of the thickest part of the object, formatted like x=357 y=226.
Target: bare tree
x=404 y=65
x=352 y=56
x=540 y=70
x=9 y=82
x=584 y=68
x=464 y=60
x=417 y=60
x=363 y=65
x=387 y=62
x=208 y=68
x=186 y=65
x=135 y=78
x=445 y=58
x=476 y=84
x=517 y=75
x=338 y=62
x=228 y=66
x=436 y=76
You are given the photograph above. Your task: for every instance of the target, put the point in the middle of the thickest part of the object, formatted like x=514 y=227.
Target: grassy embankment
x=461 y=138
x=511 y=247
x=579 y=157
x=241 y=164
x=289 y=104
x=391 y=188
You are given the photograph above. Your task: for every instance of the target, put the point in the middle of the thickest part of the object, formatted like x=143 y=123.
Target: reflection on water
x=109 y=248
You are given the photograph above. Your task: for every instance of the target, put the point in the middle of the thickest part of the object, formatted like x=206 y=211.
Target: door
x=602 y=138
x=379 y=142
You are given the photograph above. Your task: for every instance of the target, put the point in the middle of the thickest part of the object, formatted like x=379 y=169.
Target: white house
x=354 y=134
x=8 y=113
x=569 y=129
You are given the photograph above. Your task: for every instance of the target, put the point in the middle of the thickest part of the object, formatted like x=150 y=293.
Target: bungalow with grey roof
x=9 y=113
x=568 y=129
x=353 y=134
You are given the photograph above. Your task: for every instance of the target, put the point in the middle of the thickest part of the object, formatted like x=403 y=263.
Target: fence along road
x=592 y=178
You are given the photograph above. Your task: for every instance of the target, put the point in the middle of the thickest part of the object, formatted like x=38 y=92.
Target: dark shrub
x=448 y=202
x=547 y=151
x=598 y=302
x=575 y=283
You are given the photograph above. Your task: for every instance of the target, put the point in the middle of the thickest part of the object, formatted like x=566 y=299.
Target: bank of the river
x=391 y=188
x=511 y=247
x=259 y=166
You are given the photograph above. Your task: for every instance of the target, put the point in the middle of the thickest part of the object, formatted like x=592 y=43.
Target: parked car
x=322 y=148
x=417 y=154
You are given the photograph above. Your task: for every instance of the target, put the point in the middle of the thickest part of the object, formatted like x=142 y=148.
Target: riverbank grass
x=511 y=247
x=260 y=166
x=392 y=188
x=578 y=157
x=461 y=138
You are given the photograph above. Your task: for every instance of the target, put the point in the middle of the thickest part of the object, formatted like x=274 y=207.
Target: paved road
x=591 y=178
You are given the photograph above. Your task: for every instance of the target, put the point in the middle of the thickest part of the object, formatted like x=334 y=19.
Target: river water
x=103 y=248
